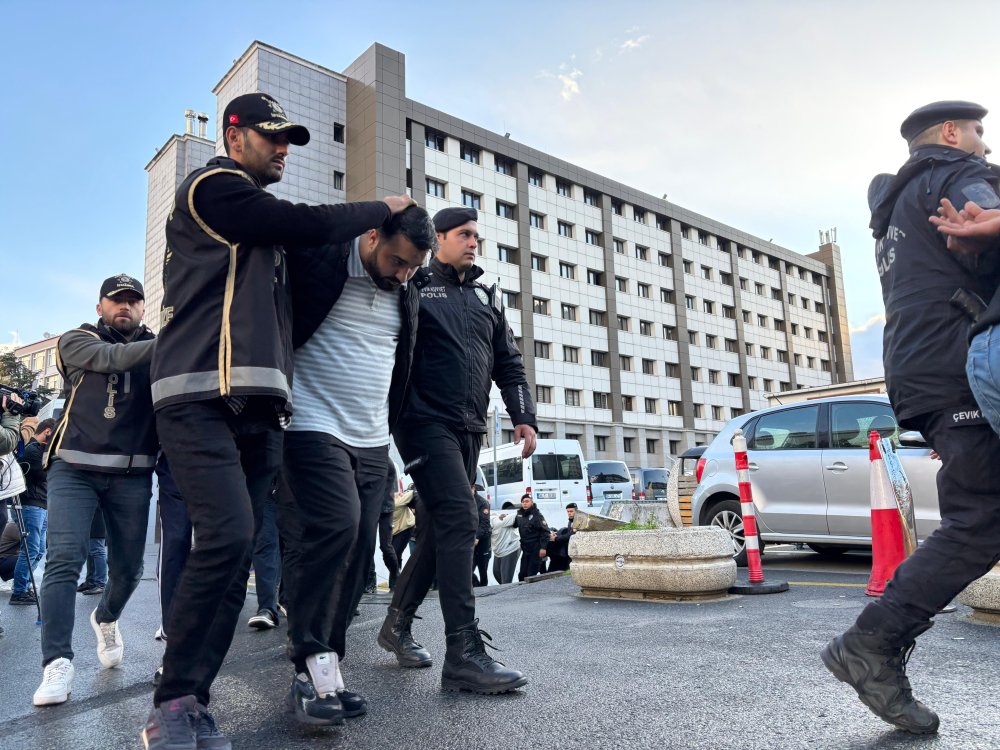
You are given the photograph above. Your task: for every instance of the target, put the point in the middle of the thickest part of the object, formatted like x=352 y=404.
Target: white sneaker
x=57 y=683
x=110 y=646
x=325 y=673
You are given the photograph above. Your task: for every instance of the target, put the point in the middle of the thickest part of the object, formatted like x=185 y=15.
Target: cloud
x=632 y=44
x=875 y=320
x=570 y=84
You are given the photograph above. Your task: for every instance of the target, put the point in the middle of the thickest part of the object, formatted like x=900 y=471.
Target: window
x=511 y=300
x=734 y=379
x=776 y=294
x=625 y=363
x=592 y=237
x=536 y=178
x=726 y=278
x=824 y=365
x=784 y=385
x=755 y=257
x=598 y=358
x=819 y=307
x=693 y=338
x=572 y=397
x=648 y=367
x=565 y=229
x=688 y=266
x=542 y=349
x=765 y=352
x=643 y=290
x=628 y=403
x=434 y=140
x=674 y=408
x=696 y=374
x=779 y=325
x=508 y=254
x=791 y=298
x=638 y=215
x=666 y=260
x=506 y=211
x=470 y=199
x=711 y=341
x=852 y=422
x=536 y=220
x=702 y=238
x=789 y=429
x=675 y=446
x=651 y=446
x=797 y=359
x=573 y=436
x=479 y=246
x=338 y=132
x=821 y=336
x=699 y=410
x=689 y=302
x=805 y=304
x=338 y=180
x=470 y=153
x=790 y=270
x=768 y=385
x=601 y=400
x=591 y=198
x=540 y=306
x=543 y=394
x=795 y=329
x=731 y=345
x=713 y=377
x=571 y=354
x=598 y=318
x=708 y=306
x=744 y=283
x=717 y=412
x=539 y=263
x=811 y=363
x=564 y=188
x=669 y=333
x=746 y=316
x=807 y=332
x=568 y=312
x=762 y=320
x=621 y=284
x=773 y=263
x=617 y=207
x=596 y=278
x=706 y=273
x=435 y=188
x=661 y=223
x=642 y=253
x=749 y=348
x=623 y=323
x=728 y=312
x=672 y=369
x=752 y=383
x=567 y=270
x=600 y=443
x=645 y=328
x=666 y=295
x=782 y=356
x=650 y=405
x=619 y=246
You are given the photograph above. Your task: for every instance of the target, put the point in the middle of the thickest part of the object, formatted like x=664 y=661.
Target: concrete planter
x=983 y=595
x=673 y=564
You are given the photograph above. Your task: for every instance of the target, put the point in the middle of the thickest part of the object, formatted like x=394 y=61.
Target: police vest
x=225 y=326
x=108 y=422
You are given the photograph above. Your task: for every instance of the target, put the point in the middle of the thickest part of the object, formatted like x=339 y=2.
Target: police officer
x=463 y=346
x=101 y=455
x=924 y=355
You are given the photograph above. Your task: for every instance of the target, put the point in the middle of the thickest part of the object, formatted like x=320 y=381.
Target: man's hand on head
x=398 y=203
x=527 y=433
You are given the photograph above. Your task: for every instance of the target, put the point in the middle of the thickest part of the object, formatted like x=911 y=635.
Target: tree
x=16 y=374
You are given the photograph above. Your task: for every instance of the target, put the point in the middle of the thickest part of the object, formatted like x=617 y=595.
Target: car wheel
x=726 y=515
x=828 y=550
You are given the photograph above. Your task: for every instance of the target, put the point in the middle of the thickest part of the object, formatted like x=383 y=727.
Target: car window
x=852 y=422
x=556 y=466
x=791 y=429
x=608 y=471
x=655 y=479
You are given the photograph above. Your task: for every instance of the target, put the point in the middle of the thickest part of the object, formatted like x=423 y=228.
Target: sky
x=771 y=117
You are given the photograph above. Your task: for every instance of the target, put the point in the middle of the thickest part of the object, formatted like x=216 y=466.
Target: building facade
x=644 y=326
x=40 y=358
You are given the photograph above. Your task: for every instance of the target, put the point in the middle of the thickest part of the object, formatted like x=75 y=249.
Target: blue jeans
x=74 y=495
x=983 y=370
x=97 y=562
x=35 y=523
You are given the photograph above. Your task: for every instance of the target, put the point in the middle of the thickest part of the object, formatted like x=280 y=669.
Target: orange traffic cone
x=887 y=532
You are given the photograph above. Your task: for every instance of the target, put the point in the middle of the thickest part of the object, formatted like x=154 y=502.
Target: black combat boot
x=467 y=666
x=395 y=636
x=874 y=664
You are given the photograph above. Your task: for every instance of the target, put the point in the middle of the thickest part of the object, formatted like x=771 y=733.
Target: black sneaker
x=94 y=590
x=172 y=725
x=207 y=734
x=23 y=598
x=85 y=586
x=874 y=664
x=265 y=619
x=311 y=708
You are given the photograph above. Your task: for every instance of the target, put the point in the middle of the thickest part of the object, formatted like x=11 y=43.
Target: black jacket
x=925 y=339
x=35 y=478
x=532 y=527
x=317 y=280
x=226 y=317
x=464 y=345
x=485 y=531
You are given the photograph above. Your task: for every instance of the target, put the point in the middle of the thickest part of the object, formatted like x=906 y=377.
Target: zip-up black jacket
x=317 y=280
x=226 y=318
x=464 y=344
x=484 y=531
x=533 y=528
x=35 y=479
x=925 y=340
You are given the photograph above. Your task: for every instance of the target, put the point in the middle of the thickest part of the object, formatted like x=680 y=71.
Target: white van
x=608 y=481
x=554 y=476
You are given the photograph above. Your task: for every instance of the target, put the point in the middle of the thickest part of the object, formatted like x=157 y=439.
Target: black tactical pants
x=448 y=532
x=966 y=545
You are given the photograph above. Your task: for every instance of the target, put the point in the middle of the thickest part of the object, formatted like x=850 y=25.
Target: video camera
x=32 y=401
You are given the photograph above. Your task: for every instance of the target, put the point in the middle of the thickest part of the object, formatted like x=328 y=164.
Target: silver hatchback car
x=809 y=472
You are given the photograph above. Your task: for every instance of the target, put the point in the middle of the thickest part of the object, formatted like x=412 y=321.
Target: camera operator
x=101 y=456
x=34 y=513
x=9 y=424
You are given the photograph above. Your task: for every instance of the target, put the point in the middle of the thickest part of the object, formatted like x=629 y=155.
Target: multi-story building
x=644 y=326
x=40 y=358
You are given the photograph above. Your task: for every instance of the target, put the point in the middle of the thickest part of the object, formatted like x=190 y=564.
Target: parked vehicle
x=650 y=484
x=809 y=471
x=553 y=475
x=608 y=481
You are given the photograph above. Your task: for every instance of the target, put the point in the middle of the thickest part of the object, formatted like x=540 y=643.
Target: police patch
x=483 y=297
x=981 y=194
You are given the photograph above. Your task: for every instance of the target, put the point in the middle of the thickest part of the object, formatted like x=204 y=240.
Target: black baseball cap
x=933 y=114
x=262 y=113
x=121 y=283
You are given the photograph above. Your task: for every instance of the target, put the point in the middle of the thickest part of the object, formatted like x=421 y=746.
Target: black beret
x=449 y=218
x=933 y=114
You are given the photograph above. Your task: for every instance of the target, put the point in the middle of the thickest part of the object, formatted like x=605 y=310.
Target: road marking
x=822 y=583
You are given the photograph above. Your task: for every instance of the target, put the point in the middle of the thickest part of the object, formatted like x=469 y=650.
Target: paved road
x=738 y=673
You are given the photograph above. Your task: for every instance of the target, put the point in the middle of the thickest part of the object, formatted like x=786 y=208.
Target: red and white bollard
x=755 y=583
x=887 y=531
